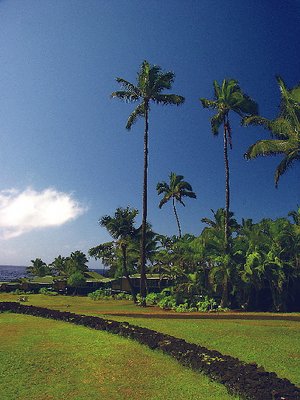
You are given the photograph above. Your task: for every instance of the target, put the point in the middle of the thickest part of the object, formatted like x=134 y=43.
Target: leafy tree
x=151 y=83
x=59 y=265
x=75 y=280
x=175 y=190
x=38 y=268
x=228 y=97
x=76 y=263
x=108 y=253
x=285 y=128
x=121 y=228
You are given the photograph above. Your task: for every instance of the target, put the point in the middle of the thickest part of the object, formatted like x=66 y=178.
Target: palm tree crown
x=176 y=190
x=228 y=97
x=151 y=82
x=285 y=128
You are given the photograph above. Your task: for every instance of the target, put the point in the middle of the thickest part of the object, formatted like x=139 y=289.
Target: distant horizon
x=26 y=266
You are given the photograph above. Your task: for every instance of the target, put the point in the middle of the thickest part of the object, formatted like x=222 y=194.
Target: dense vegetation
x=239 y=264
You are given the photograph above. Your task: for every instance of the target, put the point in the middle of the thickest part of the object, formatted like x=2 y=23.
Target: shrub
x=98 y=294
x=167 y=303
x=122 y=296
x=154 y=298
x=206 y=304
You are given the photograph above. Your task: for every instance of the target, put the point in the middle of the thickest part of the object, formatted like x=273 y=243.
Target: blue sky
x=66 y=157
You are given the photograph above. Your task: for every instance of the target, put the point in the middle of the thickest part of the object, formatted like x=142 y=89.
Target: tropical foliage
x=285 y=129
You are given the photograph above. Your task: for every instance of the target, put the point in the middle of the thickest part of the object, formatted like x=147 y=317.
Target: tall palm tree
x=121 y=227
x=285 y=128
x=228 y=97
x=175 y=190
x=151 y=82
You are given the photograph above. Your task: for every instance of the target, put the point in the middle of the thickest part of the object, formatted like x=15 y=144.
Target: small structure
x=155 y=283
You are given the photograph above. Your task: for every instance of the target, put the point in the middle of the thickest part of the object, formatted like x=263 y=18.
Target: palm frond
x=206 y=103
x=165 y=199
x=125 y=96
x=284 y=165
x=138 y=112
x=128 y=86
x=216 y=121
x=248 y=105
x=163 y=81
x=256 y=120
x=168 y=99
x=162 y=187
x=267 y=148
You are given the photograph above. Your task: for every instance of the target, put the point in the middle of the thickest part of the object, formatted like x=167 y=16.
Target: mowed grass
x=43 y=359
x=274 y=344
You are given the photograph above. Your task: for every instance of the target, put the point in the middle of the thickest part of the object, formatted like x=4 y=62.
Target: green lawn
x=51 y=360
x=274 y=344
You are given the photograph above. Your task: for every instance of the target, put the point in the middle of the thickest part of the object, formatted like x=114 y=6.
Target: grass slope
x=274 y=344
x=50 y=360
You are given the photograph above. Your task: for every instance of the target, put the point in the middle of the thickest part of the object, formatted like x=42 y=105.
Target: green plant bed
x=45 y=359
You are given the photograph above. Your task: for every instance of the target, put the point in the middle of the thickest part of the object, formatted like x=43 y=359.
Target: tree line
x=230 y=260
x=228 y=98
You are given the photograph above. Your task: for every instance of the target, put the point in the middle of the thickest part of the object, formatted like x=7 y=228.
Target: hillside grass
x=274 y=344
x=52 y=360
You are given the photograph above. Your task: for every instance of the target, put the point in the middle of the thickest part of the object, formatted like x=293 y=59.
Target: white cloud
x=22 y=212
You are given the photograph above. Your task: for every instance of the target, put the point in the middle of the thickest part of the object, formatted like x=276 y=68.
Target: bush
x=100 y=294
x=167 y=303
x=206 y=304
x=154 y=298
x=122 y=296
x=19 y=291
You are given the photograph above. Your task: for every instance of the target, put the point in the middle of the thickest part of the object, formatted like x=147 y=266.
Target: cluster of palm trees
x=257 y=267
x=228 y=97
x=71 y=267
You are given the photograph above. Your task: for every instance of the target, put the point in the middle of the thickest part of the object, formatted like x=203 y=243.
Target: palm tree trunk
x=227 y=187
x=176 y=216
x=144 y=216
x=126 y=273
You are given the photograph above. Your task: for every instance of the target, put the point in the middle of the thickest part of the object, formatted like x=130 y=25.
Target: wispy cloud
x=22 y=212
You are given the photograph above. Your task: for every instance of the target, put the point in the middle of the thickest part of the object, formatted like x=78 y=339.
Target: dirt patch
x=246 y=380
x=237 y=315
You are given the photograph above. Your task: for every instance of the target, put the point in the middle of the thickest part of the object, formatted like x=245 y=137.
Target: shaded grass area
x=273 y=344
x=45 y=359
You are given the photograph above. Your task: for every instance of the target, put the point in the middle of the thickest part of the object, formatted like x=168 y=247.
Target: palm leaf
x=216 y=121
x=138 y=112
x=206 y=103
x=284 y=165
x=125 y=96
x=168 y=99
x=128 y=86
x=267 y=148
